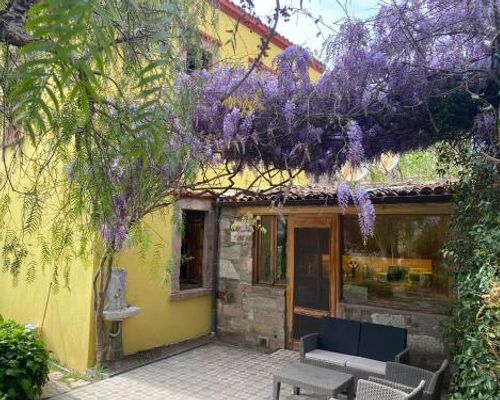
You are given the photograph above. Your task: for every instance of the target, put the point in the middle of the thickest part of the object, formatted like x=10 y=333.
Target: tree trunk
x=101 y=282
x=12 y=20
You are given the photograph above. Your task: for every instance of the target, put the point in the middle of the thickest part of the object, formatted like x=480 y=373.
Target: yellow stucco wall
x=246 y=42
x=68 y=328
x=62 y=313
x=160 y=321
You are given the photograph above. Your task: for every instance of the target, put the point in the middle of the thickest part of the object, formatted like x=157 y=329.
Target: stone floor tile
x=215 y=371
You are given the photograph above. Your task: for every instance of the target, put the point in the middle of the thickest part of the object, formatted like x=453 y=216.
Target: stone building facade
x=248 y=314
x=255 y=315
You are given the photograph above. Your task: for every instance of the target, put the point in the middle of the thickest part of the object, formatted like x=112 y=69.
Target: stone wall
x=424 y=334
x=251 y=315
x=254 y=315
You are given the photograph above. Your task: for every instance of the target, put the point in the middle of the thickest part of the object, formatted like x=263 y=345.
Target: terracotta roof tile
x=313 y=193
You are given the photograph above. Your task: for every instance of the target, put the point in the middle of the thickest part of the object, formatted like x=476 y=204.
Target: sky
x=302 y=30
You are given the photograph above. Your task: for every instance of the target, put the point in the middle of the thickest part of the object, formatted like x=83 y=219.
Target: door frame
x=312 y=221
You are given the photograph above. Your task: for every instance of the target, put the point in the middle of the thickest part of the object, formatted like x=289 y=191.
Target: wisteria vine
x=415 y=74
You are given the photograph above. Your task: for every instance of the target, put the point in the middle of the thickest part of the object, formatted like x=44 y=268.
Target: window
x=191 y=269
x=192 y=250
x=201 y=59
x=270 y=251
x=400 y=266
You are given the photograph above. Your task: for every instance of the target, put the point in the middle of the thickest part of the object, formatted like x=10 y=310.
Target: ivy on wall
x=474 y=251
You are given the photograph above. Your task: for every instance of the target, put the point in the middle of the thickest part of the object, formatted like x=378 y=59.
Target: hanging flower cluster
x=377 y=96
x=361 y=199
x=415 y=74
x=157 y=158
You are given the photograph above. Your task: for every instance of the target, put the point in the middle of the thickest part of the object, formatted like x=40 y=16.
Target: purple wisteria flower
x=355 y=152
x=483 y=128
x=366 y=211
x=343 y=195
x=115 y=234
x=289 y=110
x=374 y=82
x=230 y=124
x=247 y=124
x=293 y=64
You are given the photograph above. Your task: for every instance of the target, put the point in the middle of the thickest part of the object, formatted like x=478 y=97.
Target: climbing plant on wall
x=474 y=253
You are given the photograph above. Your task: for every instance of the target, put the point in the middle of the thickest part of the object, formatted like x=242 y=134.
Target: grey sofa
x=359 y=348
x=400 y=374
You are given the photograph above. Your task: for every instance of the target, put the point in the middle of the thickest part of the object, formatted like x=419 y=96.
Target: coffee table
x=319 y=380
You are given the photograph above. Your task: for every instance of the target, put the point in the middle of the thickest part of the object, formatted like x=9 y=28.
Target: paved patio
x=213 y=372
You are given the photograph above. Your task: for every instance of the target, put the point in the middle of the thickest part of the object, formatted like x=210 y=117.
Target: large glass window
x=270 y=250
x=400 y=266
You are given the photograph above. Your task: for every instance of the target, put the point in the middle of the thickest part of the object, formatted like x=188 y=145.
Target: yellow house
x=173 y=308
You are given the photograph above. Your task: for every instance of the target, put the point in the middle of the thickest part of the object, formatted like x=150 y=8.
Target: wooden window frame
x=196 y=204
x=257 y=237
x=209 y=45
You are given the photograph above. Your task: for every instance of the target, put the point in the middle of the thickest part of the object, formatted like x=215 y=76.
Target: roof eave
x=333 y=201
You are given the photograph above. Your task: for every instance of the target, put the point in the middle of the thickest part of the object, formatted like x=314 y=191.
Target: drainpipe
x=215 y=271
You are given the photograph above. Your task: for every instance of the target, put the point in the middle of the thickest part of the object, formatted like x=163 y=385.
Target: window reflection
x=400 y=266
x=270 y=250
x=264 y=272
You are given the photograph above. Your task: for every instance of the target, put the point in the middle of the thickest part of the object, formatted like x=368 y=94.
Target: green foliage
x=416 y=166
x=24 y=362
x=95 y=77
x=454 y=112
x=13 y=253
x=474 y=252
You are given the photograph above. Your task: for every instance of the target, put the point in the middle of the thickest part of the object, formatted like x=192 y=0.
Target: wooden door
x=312 y=283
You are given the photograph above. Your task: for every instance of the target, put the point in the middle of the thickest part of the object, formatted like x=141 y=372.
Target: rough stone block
x=262 y=303
x=225 y=224
x=234 y=310
x=397 y=320
x=227 y=270
x=245 y=269
x=232 y=252
x=425 y=344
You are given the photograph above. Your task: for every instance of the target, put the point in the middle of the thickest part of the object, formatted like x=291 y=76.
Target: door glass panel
x=312 y=268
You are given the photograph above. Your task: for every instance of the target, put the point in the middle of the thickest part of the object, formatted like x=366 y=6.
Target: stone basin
x=120 y=315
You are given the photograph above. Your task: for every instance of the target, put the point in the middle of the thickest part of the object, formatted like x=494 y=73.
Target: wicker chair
x=369 y=390
x=406 y=375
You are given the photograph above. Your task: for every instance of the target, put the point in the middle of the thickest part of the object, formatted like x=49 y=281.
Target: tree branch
x=12 y=20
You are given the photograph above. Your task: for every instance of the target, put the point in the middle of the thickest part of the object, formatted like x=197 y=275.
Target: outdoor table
x=319 y=380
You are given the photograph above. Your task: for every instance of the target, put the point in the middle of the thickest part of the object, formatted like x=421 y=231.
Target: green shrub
x=474 y=251
x=23 y=362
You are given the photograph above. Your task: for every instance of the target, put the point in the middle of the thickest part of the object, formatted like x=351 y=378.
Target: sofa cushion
x=366 y=364
x=381 y=342
x=339 y=335
x=328 y=357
